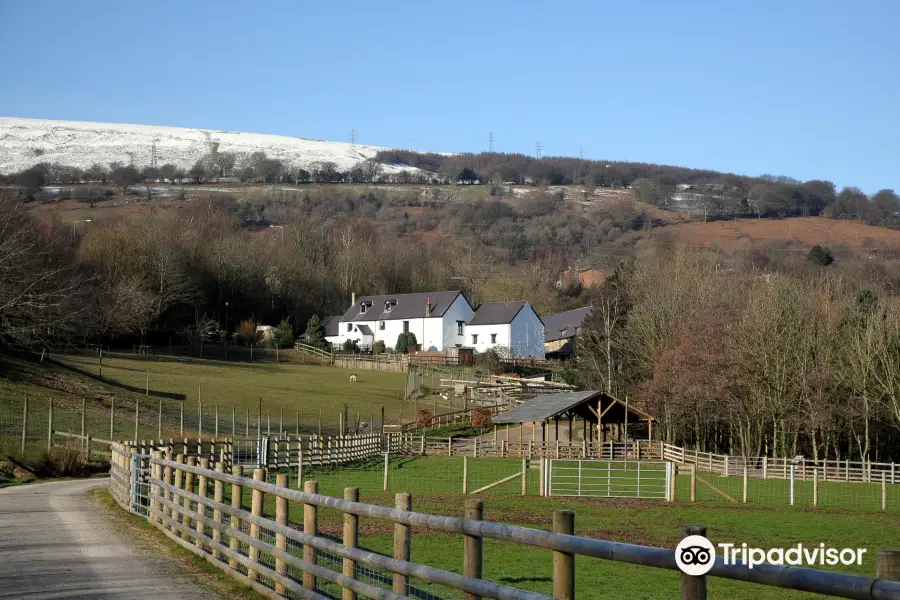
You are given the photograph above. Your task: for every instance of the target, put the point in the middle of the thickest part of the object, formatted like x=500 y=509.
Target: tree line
x=804 y=359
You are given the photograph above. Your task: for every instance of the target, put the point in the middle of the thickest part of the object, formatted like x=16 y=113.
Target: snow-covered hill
x=25 y=142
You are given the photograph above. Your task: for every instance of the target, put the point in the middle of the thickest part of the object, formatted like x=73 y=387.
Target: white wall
x=484 y=336
x=527 y=334
x=458 y=311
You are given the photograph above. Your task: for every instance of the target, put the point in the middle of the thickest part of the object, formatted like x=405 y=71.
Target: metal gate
x=250 y=452
x=609 y=478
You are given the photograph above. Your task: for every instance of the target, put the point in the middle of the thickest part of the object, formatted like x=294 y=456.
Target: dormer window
x=363 y=307
x=389 y=304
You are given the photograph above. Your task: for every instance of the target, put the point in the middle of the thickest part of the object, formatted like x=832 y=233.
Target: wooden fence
x=392 y=363
x=186 y=502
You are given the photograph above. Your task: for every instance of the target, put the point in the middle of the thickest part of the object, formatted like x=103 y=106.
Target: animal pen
x=202 y=506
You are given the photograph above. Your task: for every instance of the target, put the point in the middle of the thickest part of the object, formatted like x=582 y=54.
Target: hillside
x=808 y=231
x=26 y=142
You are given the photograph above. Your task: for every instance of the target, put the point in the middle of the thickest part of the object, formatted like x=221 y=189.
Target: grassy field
x=315 y=392
x=434 y=484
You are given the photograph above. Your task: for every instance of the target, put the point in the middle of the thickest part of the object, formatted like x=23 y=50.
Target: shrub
x=820 y=255
x=62 y=461
x=351 y=346
x=481 y=417
x=284 y=334
x=378 y=347
x=315 y=332
x=423 y=418
x=405 y=341
x=246 y=333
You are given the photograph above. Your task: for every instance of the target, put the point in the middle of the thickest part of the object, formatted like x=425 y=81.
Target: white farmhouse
x=437 y=319
x=506 y=325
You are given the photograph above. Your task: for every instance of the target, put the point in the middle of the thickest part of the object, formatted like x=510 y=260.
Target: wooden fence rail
x=177 y=501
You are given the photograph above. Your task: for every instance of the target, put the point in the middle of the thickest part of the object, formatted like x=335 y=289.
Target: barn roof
x=581 y=404
x=564 y=325
x=402 y=306
x=496 y=313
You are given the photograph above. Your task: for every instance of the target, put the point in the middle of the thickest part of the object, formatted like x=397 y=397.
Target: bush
x=284 y=334
x=820 y=255
x=378 y=347
x=490 y=361
x=62 y=461
x=405 y=341
x=481 y=417
x=246 y=333
x=351 y=346
x=315 y=332
x=423 y=418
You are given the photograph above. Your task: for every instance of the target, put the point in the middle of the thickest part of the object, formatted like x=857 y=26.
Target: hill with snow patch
x=26 y=142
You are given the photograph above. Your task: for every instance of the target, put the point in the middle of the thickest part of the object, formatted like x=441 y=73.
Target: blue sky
x=807 y=88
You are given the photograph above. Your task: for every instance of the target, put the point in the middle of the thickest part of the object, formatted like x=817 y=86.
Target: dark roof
x=364 y=329
x=332 y=325
x=496 y=313
x=546 y=406
x=565 y=325
x=408 y=306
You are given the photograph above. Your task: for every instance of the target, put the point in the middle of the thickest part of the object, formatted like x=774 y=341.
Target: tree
x=167 y=172
x=378 y=347
x=124 y=177
x=284 y=334
x=405 y=341
x=467 y=175
x=820 y=255
x=315 y=332
x=351 y=346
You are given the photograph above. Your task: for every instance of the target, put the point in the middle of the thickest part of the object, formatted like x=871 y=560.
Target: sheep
x=353 y=379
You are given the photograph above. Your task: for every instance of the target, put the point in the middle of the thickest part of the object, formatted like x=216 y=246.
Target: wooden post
x=256 y=508
x=24 y=423
x=83 y=405
x=563 y=562
x=167 y=478
x=236 y=493
x=541 y=476
x=147 y=389
x=281 y=518
x=112 y=415
x=693 y=483
x=402 y=501
x=299 y=463
x=745 y=484
x=181 y=418
x=765 y=467
x=524 y=476
x=218 y=495
x=472 y=550
x=216 y=428
x=883 y=491
x=384 y=487
x=50 y=426
x=887 y=565
x=202 y=492
x=159 y=420
x=693 y=588
x=137 y=415
x=815 y=487
x=179 y=479
x=310 y=527
x=465 y=477
x=189 y=487
x=351 y=539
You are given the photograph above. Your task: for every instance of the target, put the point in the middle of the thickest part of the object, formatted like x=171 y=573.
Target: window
x=493 y=338
x=349 y=326
x=459 y=327
x=381 y=325
x=362 y=308
x=474 y=338
x=405 y=326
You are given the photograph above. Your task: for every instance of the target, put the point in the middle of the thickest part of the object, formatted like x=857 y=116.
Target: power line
x=537 y=150
x=353 y=136
x=153 y=156
x=491 y=142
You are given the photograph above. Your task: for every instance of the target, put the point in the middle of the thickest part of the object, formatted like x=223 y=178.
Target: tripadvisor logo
x=695 y=555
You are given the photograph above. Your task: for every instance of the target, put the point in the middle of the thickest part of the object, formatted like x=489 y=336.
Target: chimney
x=427 y=307
x=352 y=298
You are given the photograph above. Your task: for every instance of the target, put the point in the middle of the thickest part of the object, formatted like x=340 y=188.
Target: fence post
x=24 y=423
x=450 y=446
x=402 y=501
x=218 y=494
x=299 y=463
x=563 y=562
x=472 y=550
x=765 y=467
x=693 y=587
x=137 y=414
x=672 y=482
x=384 y=487
x=351 y=539
x=156 y=472
x=792 y=484
x=237 y=492
x=179 y=484
x=167 y=478
x=465 y=477
x=693 y=483
x=310 y=527
x=745 y=484
x=201 y=508
x=189 y=487
x=541 y=476
x=256 y=508
x=883 y=491
x=50 y=426
x=887 y=565
x=281 y=518
x=524 y=475
x=815 y=487
x=725 y=467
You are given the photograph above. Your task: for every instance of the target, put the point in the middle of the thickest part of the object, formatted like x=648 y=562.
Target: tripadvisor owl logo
x=695 y=555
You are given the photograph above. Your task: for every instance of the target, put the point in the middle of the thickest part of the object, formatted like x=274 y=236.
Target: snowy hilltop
x=26 y=142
